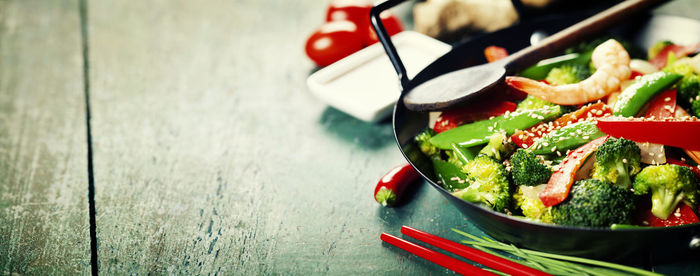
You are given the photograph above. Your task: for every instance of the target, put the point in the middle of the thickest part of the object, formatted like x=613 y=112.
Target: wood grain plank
x=44 y=227
x=212 y=157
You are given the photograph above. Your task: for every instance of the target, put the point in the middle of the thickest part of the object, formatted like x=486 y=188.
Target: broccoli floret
x=488 y=183
x=527 y=170
x=616 y=161
x=688 y=87
x=531 y=102
x=669 y=185
x=498 y=146
x=656 y=48
x=568 y=74
x=695 y=108
x=593 y=203
x=423 y=142
x=528 y=201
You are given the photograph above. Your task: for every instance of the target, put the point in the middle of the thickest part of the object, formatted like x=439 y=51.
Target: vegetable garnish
x=473 y=111
x=682 y=133
x=551 y=263
x=435 y=257
x=526 y=138
x=391 y=187
x=633 y=98
x=668 y=186
x=478 y=133
x=498 y=263
x=559 y=184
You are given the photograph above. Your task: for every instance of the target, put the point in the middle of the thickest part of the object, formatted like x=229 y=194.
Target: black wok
x=659 y=244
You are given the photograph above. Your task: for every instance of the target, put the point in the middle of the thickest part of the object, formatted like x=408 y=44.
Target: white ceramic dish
x=364 y=84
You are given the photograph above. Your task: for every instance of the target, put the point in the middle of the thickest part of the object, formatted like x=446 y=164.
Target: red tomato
x=333 y=41
x=356 y=11
x=391 y=23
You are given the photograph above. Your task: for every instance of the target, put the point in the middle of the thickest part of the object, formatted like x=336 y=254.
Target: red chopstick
x=435 y=257
x=495 y=262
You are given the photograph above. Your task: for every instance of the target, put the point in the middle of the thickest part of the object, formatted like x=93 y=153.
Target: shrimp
x=612 y=68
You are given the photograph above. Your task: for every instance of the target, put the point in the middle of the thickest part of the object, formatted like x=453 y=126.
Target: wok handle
x=576 y=33
x=385 y=39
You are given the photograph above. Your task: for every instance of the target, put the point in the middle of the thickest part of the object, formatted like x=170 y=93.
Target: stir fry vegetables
x=602 y=138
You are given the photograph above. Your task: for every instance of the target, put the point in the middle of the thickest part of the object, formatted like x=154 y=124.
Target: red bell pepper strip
x=473 y=111
x=525 y=138
x=560 y=182
x=678 y=50
x=693 y=169
x=635 y=74
x=663 y=105
x=494 y=53
x=391 y=187
x=684 y=215
x=682 y=133
x=694 y=154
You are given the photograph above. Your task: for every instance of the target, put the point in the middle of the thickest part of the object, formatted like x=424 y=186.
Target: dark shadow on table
x=364 y=134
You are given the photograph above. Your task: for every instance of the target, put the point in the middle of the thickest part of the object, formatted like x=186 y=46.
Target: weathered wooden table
x=188 y=126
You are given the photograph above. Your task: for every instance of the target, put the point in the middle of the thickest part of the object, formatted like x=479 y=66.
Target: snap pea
x=540 y=70
x=450 y=176
x=478 y=133
x=465 y=154
x=633 y=98
x=568 y=137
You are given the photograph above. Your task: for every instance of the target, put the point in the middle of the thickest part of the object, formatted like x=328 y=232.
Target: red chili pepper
x=393 y=184
x=683 y=215
x=678 y=50
x=694 y=169
x=473 y=111
x=663 y=105
x=525 y=138
x=671 y=132
x=494 y=53
x=559 y=184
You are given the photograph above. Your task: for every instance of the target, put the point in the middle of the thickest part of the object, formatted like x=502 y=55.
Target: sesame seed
x=558 y=153
x=624 y=160
x=667 y=99
x=554 y=148
x=586 y=137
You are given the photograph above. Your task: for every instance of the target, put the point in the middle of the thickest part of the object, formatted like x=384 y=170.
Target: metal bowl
x=600 y=243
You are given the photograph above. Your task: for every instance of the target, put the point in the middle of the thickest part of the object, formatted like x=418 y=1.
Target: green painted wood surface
x=43 y=177
x=210 y=154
